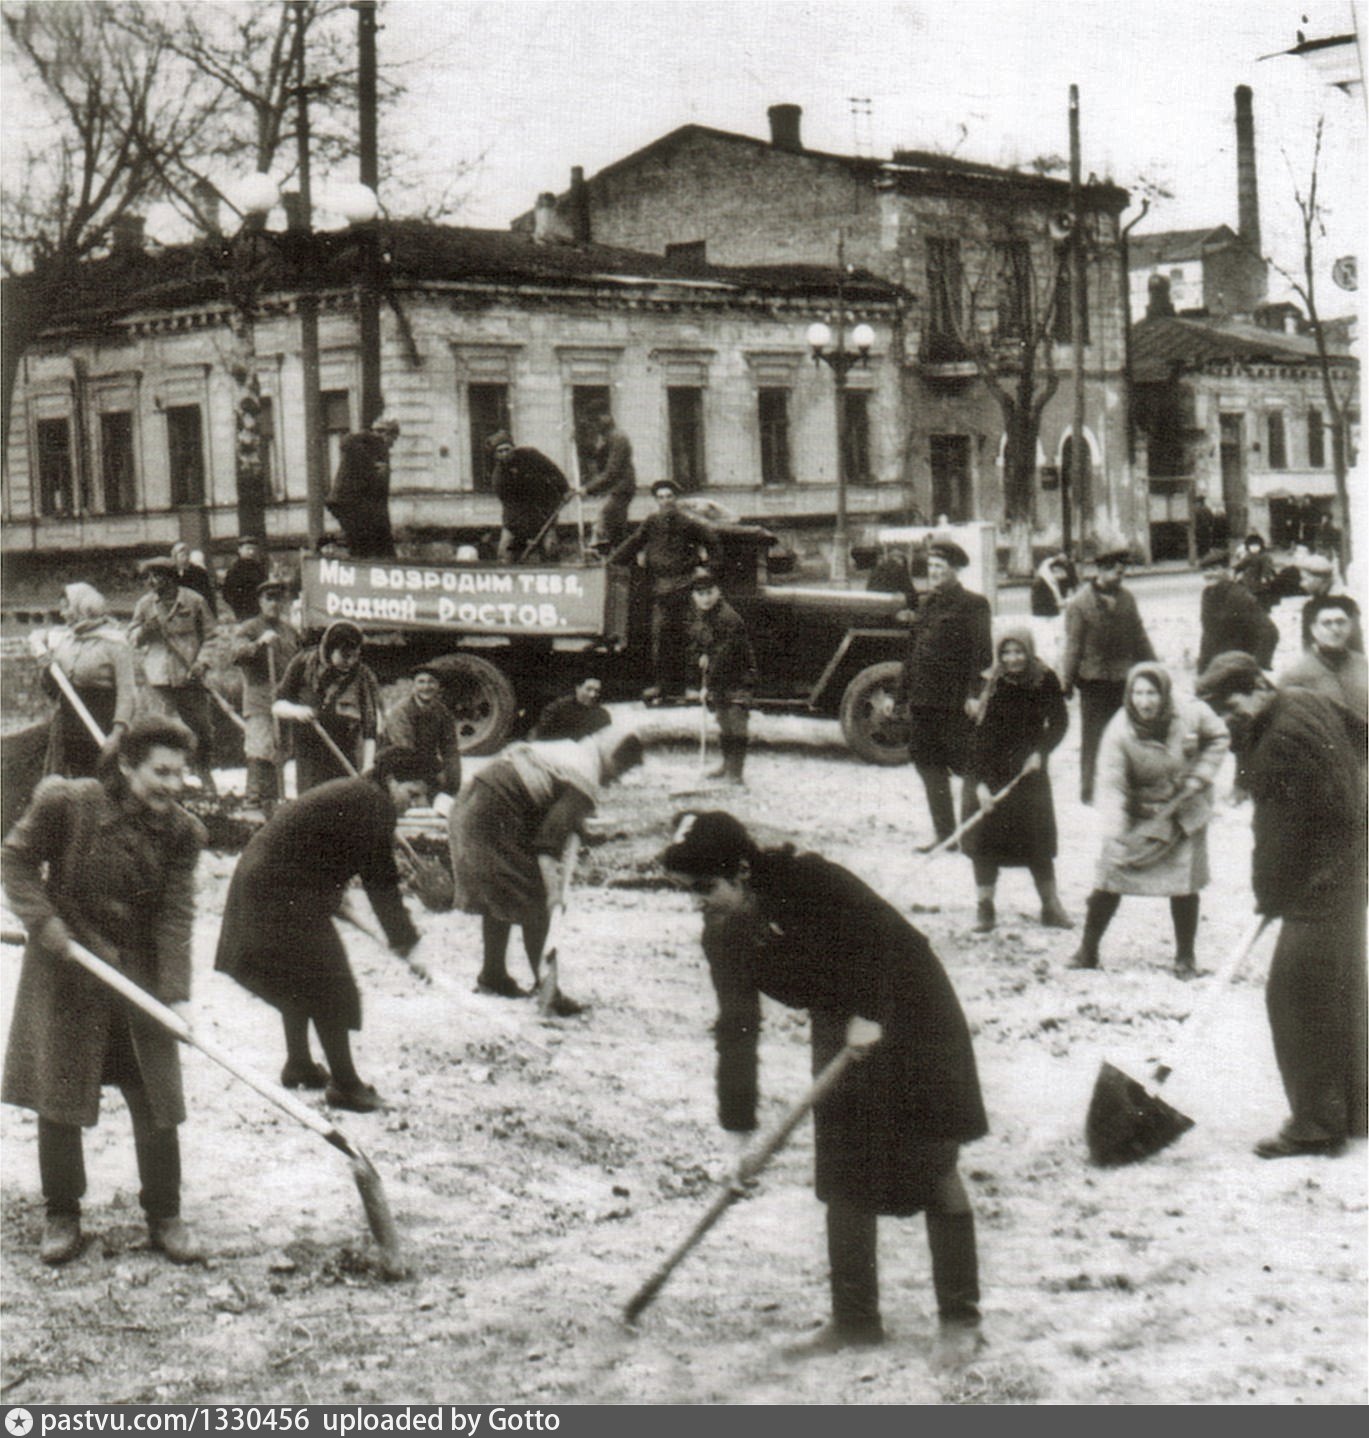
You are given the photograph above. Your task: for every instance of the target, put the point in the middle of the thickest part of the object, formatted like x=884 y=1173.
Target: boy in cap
x=1231 y=618
x=1308 y=869
x=360 y=501
x=530 y=488
x=720 y=653
x=423 y=724
x=671 y=544
x=811 y=935
x=949 y=647
x=262 y=648
x=1104 y=637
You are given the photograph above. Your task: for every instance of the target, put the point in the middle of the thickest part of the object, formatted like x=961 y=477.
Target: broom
x=368 y=1183
x=1126 y=1122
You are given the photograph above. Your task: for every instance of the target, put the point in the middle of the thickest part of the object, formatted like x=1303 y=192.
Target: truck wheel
x=481 y=699
x=872 y=723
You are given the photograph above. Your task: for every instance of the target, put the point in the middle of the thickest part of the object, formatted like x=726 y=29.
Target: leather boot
x=734 y=759
x=170 y=1236
x=852 y=1255
x=1053 y=915
x=955 y=1266
x=61 y=1239
x=985 y=917
x=1102 y=906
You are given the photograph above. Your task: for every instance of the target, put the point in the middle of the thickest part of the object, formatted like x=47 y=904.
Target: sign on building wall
x=513 y=600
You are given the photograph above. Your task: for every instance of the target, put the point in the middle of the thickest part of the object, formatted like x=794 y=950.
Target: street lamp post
x=840 y=361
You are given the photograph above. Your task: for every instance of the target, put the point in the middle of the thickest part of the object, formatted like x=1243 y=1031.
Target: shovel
x=977 y=817
x=549 y=974
x=753 y=1161
x=431 y=882
x=1126 y=1122
x=59 y=677
x=363 y=1171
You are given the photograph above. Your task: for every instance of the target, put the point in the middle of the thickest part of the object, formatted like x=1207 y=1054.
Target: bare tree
x=1305 y=287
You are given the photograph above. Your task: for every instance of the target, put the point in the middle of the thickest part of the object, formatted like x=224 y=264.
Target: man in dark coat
x=245 y=573
x=1231 y=617
x=672 y=544
x=111 y=866
x=1330 y=667
x=1317 y=577
x=614 y=477
x=530 y=488
x=720 y=654
x=1308 y=869
x=360 y=501
x=1104 y=637
x=278 y=938
x=196 y=577
x=423 y=724
x=949 y=648
x=575 y=715
x=811 y=935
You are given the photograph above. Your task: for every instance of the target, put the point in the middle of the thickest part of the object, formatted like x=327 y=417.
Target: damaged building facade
x=123 y=421
x=980 y=251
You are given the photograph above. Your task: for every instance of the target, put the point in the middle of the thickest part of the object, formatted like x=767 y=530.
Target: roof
x=1166 y=246
x=176 y=276
x=1162 y=348
x=909 y=162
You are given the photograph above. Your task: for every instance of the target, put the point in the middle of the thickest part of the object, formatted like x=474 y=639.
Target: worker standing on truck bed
x=530 y=489
x=360 y=501
x=672 y=543
x=614 y=477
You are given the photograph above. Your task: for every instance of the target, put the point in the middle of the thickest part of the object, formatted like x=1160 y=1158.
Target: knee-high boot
x=955 y=1266
x=734 y=757
x=936 y=780
x=1102 y=906
x=852 y=1253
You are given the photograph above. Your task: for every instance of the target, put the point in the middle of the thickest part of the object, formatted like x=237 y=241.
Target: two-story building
x=123 y=424
x=981 y=252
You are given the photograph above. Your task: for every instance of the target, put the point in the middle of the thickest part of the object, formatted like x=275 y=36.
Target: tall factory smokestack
x=1247 y=191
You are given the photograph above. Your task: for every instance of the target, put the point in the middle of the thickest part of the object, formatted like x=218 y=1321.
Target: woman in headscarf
x=96 y=657
x=1021 y=719
x=1157 y=762
x=1050 y=591
x=511 y=832
x=332 y=685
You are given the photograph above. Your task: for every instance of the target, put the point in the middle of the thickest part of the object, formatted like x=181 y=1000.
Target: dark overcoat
x=824 y=941
x=1104 y=637
x=1233 y=619
x=949 y=647
x=720 y=634
x=529 y=487
x=278 y=939
x=1018 y=721
x=122 y=880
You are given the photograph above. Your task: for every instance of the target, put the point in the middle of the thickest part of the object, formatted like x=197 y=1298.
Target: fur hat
x=707 y=845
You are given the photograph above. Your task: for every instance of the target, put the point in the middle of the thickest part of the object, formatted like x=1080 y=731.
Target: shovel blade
x=1126 y=1122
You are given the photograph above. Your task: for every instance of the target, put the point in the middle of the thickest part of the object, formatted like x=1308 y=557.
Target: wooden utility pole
x=841 y=540
x=368 y=299
x=315 y=479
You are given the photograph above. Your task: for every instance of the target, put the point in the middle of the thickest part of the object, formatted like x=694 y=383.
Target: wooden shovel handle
x=59 y=677
x=975 y=818
x=755 y=1160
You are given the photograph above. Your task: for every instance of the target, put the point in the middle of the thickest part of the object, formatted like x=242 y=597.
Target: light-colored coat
x=1137 y=777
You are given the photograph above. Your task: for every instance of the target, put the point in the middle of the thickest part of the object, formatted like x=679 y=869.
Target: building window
x=585 y=400
x=773 y=410
x=185 y=453
x=1014 y=289
x=855 y=458
x=945 y=285
x=336 y=411
x=1278 y=442
x=685 y=413
x=951 y=496
x=266 y=432
x=56 y=488
x=116 y=462
x=1064 y=289
x=1316 y=440
x=488 y=406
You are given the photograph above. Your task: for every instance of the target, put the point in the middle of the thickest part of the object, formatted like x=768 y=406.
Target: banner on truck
x=474 y=598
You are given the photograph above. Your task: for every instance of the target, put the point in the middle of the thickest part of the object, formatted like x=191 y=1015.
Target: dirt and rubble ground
x=538 y=1172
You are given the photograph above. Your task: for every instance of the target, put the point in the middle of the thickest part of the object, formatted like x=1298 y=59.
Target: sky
x=523 y=90
x=510 y=94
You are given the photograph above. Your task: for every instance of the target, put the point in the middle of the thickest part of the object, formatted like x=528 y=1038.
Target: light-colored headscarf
x=1045 y=572
x=84 y=603
x=586 y=764
x=996 y=674
x=1158 y=675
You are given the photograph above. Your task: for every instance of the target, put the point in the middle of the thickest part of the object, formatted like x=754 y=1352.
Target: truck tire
x=871 y=723
x=481 y=699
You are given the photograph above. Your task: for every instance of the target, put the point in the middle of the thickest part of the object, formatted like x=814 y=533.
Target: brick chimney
x=784 y=127
x=1247 y=191
x=579 y=206
x=544 y=219
x=126 y=234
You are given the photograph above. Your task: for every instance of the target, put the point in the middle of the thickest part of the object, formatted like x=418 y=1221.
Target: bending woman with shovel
x=120 y=859
x=1156 y=765
x=810 y=934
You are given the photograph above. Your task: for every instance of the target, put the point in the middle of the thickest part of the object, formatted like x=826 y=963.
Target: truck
x=506 y=638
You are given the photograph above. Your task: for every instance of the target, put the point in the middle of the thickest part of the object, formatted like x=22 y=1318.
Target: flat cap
x=1229 y=673
x=1311 y=563
x=1114 y=556
x=273 y=586
x=160 y=565
x=707 y=845
x=703 y=578
x=950 y=551
x=660 y=484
